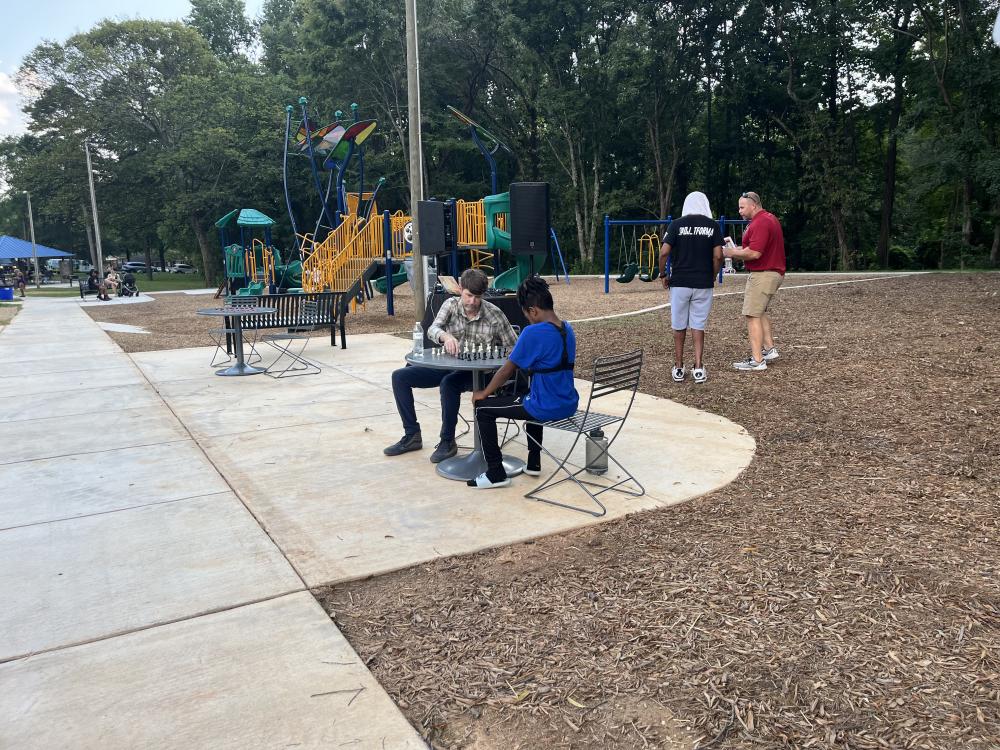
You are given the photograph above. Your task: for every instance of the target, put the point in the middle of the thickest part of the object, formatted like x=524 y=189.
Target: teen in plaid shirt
x=461 y=320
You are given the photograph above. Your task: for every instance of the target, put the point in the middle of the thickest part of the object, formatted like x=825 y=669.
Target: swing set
x=640 y=256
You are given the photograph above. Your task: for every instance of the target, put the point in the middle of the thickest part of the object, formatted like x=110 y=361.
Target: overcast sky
x=27 y=23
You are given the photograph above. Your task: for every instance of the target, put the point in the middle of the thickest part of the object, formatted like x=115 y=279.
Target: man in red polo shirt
x=763 y=255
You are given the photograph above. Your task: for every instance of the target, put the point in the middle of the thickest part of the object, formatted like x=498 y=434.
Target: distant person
x=693 y=246
x=19 y=281
x=467 y=319
x=111 y=279
x=546 y=350
x=94 y=284
x=763 y=255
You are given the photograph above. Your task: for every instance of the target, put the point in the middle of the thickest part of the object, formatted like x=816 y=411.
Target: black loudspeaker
x=530 y=219
x=430 y=226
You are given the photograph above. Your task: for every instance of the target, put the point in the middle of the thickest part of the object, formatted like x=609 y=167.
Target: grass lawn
x=162 y=282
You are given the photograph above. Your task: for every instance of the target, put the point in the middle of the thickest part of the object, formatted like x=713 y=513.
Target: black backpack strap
x=565 y=364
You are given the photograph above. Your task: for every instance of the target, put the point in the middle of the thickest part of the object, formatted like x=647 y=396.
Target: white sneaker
x=750 y=365
x=482 y=482
x=700 y=374
x=771 y=354
x=678 y=374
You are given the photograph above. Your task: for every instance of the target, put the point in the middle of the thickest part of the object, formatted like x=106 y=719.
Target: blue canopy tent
x=12 y=247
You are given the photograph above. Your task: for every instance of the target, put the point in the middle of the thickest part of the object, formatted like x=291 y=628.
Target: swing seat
x=628 y=273
x=650 y=275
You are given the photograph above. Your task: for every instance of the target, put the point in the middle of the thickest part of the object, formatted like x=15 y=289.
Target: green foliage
x=846 y=115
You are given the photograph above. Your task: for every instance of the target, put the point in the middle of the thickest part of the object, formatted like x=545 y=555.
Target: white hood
x=697 y=203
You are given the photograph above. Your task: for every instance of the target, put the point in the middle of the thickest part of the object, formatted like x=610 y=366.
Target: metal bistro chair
x=222 y=337
x=283 y=342
x=615 y=374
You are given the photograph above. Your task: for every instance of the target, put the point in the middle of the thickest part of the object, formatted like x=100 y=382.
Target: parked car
x=135 y=266
x=182 y=268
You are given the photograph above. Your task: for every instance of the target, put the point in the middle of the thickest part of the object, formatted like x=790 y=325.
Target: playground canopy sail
x=248 y=217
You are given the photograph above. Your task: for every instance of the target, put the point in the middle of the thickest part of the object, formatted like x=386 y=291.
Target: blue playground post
x=554 y=251
x=607 y=254
x=489 y=159
x=303 y=101
x=722 y=231
x=284 y=180
x=387 y=250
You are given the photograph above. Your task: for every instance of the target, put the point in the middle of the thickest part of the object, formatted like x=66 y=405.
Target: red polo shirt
x=764 y=235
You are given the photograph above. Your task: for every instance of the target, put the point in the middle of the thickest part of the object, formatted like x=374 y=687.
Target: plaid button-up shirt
x=489 y=327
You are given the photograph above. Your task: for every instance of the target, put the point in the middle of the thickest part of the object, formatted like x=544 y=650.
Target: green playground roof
x=248 y=217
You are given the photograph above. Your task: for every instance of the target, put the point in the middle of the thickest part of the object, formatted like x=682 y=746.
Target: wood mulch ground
x=841 y=593
x=172 y=321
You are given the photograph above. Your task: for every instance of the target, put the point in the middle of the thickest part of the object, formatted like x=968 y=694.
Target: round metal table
x=237 y=314
x=471 y=465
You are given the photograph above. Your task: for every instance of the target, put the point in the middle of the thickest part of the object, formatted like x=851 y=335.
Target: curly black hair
x=534 y=292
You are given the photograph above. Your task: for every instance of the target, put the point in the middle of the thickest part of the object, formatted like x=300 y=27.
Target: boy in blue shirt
x=546 y=350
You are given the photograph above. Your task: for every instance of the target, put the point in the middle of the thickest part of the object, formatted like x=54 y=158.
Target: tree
x=224 y=25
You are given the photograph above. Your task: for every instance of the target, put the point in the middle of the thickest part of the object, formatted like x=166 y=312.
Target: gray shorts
x=689 y=308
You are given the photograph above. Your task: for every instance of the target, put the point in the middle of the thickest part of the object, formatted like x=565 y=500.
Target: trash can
x=6 y=294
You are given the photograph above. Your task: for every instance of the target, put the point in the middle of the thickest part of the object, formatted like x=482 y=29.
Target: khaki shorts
x=760 y=290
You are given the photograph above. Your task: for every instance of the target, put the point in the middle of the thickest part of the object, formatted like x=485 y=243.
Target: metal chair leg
x=305 y=366
x=583 y=484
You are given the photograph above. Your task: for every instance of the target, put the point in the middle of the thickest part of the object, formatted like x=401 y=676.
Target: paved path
x=143 y=605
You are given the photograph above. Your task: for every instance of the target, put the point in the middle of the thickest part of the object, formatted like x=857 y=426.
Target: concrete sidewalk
x=143 y=605
x=160 y=528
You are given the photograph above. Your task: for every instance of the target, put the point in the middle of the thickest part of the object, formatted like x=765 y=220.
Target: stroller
x=128 y=287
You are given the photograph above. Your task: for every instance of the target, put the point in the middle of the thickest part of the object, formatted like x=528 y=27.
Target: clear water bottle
x=597 y=452
x=418 y=339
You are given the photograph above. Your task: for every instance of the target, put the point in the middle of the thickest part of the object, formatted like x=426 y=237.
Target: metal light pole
x=93 y=208
x=34 y=250
x=416 y=152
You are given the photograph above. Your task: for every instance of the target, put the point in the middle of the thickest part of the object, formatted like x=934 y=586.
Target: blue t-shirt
x=539 y=347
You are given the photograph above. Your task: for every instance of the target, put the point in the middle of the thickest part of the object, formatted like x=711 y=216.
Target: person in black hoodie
x=693 y=245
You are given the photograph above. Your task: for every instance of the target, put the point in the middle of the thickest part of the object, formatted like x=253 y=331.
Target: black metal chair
x=283 y=342
x=615 y=374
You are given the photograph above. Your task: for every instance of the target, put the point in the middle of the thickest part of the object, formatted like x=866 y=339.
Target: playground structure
x=352 y=242
x=254 y=264
x=641 y=257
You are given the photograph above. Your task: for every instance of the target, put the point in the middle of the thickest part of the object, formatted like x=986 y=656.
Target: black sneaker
x=444 y=449
x=406 y=444
x=534 y=466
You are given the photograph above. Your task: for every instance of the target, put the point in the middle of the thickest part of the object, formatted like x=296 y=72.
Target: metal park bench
x=290 y=316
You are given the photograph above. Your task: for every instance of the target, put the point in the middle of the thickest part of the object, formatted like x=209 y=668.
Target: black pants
x=451 y=384
x=505 y=407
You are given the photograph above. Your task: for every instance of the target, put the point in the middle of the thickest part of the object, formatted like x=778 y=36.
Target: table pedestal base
x=240 y=368
x=470 y=466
